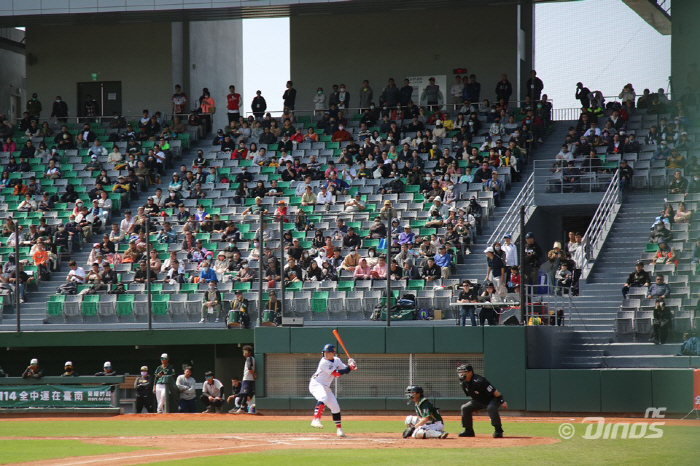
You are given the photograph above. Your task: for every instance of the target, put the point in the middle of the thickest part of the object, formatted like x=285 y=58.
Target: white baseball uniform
x=320 y=382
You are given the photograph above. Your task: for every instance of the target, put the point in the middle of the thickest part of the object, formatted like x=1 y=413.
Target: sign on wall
x=55 y=396
x=419 y=83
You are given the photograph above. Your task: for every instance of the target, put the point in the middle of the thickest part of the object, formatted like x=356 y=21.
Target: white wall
x=216 y=62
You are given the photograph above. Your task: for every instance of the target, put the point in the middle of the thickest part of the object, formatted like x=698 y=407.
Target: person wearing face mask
x=60 y=110
x=343 y=98
x=143 y=384
x=212 y=303
x=320 y=101
x=341 y=135
x=207 y=274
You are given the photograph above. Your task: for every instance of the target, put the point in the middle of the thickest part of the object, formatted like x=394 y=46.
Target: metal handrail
x=600 y=225
x=510 y=222
x=445 y=106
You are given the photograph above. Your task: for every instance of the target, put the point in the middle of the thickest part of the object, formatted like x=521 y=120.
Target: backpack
x=67 y=288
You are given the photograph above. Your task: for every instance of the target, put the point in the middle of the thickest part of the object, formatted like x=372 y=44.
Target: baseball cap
x=529 y=235
x=164 y=356
x=108 y=364
x=387 y=202
x=239 y=292
x=489 y=249
x=407 y=226
x=68 y=363
x=34 y=362
x=507 y=236
x=144 y=368
x=640 y=263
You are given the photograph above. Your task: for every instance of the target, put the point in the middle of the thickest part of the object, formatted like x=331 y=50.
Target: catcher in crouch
x=427 y=423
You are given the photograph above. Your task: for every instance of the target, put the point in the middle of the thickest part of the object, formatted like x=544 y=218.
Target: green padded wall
x=505 y=362
x=304 y=404
x=362 y=404
x=260 y=371
x=625 y=391
x=458 y=339
x=574 y=390
x=672 y=389
x=409 y=340
x=364 y=340
x=271 y=403
x=312 y=340
x=537 y=386
x=272 y=339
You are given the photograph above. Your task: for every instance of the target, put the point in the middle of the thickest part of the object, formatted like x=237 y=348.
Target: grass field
x=46 y=439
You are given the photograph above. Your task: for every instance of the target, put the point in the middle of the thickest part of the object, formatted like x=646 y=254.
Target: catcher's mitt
x=408 y=432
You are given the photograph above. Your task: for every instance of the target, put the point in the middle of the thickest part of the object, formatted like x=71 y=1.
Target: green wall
x=505 y=365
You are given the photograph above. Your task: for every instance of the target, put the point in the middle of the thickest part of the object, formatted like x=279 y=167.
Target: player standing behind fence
x=329 y=367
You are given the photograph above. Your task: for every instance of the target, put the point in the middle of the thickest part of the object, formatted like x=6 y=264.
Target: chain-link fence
x=378 y=375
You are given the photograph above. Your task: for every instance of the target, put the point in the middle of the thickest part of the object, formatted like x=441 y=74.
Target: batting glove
x=335 y=374
x=352 y=364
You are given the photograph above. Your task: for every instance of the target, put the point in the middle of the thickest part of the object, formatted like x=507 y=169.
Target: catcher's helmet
x=328 y=349
x=411 y=389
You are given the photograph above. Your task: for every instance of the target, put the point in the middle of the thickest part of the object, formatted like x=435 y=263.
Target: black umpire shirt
x=478 y=389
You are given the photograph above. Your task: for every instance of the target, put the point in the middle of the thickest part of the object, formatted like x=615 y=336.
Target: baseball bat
x=340 y=340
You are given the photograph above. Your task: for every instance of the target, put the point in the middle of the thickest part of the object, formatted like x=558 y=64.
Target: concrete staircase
x=474 y=265
x=594 y=311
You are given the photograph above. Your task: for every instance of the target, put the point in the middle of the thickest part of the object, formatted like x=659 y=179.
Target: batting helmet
x=328 y=349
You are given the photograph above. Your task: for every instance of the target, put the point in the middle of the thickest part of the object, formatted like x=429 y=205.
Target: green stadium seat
x=55 y=305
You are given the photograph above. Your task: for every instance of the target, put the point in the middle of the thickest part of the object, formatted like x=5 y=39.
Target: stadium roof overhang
x=189 y=10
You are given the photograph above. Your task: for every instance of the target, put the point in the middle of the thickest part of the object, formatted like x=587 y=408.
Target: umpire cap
x=465 y=368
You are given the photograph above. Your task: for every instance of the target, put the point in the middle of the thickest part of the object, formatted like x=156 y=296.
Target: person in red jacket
x=233 y=104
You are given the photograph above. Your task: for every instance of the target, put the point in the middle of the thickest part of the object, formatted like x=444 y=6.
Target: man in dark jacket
x=60 y=110
x=533 y=253
x=534 y=86
x=483 y=396
x=504 y=89
x=638 y=278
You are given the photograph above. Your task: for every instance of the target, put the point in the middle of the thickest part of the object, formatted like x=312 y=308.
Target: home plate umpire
x=483 y=395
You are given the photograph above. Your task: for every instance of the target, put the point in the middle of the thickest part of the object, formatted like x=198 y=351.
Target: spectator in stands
x=212 y=303
x=431 y=271
x=638 y=278
x=443 y=260
x=495 y=267
x=533 y=253
x=352 y=260
x=76 y=274
x=141 y=274
x=679 y=184
x=659 y=289
x=362 y=271
x=661 y=322
x=467 y=295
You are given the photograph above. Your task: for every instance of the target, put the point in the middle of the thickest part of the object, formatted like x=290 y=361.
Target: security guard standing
x=483 y=395
x=164 y=378
x=144 y=391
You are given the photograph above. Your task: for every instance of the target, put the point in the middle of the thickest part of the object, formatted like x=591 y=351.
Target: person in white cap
x=164 y=375
x=108 y=370
x=495 y=268
x=32 y=371
x=69 y=372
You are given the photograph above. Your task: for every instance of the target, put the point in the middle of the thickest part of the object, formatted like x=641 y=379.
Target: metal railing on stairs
x=510 y=223
x=600 y=225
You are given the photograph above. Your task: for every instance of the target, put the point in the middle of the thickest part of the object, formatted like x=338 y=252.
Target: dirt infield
x=173 y=447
